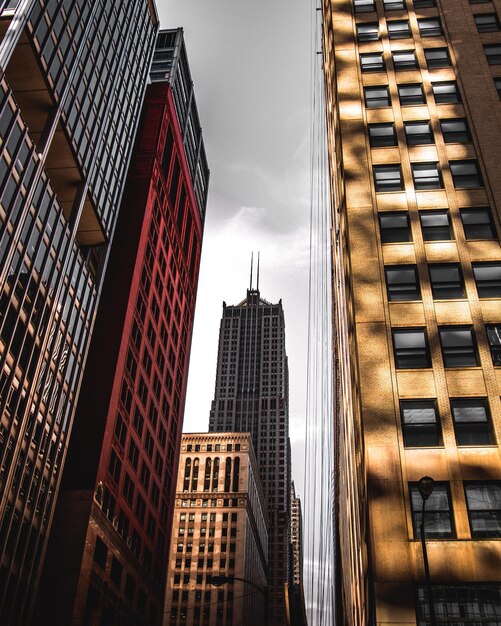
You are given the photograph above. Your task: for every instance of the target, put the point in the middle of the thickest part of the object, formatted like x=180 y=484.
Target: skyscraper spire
x=252 y=261
x=257 y=286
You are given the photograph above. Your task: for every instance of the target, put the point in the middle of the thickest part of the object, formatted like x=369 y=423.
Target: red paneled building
x=108 y=552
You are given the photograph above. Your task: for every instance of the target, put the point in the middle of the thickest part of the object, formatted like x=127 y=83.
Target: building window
x=411 y=93
x=394 y=5
x=438 y=512
x=100 y=553
x=382 y=135
x=402 y=283
x=411 y=348
x=446 y=92
x=446 y=281
x=466 y=174
x=426 y=176
x=484 y=508
x=424 y=4
x=477 y=223
x=404 y=60
x=493 y=53
x=368 y=31
x=437 y=58
x=488 y=279
x=377 y=97
x=116 y=572
x=471 y=421
x=388 y=177
x=436 y=225
x=494 y=338
x=458 y=346
x=420 y=423
x=418 y=133
x=486 y=22
x=398 y=29
x=455 y=131
x=497 y=84
x=473 y=604
x=363 y=6
x=372 y=62
x=430 y=27
x=394 y=227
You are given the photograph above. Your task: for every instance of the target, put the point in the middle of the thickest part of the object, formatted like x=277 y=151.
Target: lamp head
x=218 y=581
x=426 y=486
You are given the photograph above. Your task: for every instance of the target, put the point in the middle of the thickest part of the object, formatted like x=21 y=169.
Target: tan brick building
x=220 y=528
x=414 y=139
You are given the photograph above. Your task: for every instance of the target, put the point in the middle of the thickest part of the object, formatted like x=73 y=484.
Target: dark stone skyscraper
x=72 y=80
x=252 y=395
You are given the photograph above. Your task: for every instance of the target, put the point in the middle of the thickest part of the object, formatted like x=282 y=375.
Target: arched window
x=208 y=465
x=215 y=475
x=227 y=475
x=187 y=472
x=236 y=473
x=194 y=477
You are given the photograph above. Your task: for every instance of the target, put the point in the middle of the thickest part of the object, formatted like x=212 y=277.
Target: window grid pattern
x=49 y=293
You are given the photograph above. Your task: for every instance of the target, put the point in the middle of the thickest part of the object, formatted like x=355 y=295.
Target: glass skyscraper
x=73 y=75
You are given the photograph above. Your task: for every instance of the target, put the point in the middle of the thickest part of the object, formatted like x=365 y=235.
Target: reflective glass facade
x=72 y=83
x=108 y=552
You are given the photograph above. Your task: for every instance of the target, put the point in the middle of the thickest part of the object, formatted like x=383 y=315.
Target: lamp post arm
x=249 y=582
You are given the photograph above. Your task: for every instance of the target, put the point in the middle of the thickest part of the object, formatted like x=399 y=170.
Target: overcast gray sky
x=250 y=63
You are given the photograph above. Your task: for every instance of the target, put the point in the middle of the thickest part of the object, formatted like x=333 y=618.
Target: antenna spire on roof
x=252 y=261
x=258 y=255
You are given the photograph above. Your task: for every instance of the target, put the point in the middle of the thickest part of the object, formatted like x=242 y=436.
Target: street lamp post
x=426 y=486
x=219 y=580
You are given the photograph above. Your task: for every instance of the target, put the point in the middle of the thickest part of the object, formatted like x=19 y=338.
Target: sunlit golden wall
x=380 y=561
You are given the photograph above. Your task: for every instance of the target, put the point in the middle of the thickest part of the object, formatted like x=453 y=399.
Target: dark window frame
x=487 y=286
x=398 y=29
x=370 y=34
x=494 y=340
x=454 y=351
x=441 y=512
x=469 y=180
x=491 y=26
x=434 y=62
x=483 y=533
x=418 y=138
x=390 y=234
x=372 y=62
x=413 y=100
x=404 y=355
x=492 y=53
x=426 y=183
x=435 y=31
x=471 y=432
x=403 y=66
x=369 y=102
x=430 y=230
x=398 y=287
x=363 y=6
x=442 y=289
x=396 y=184
x=472 y=232
x=451 y=96
x=382 y=140
x=424 y=432
x=394 y=5
x=458 y=135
